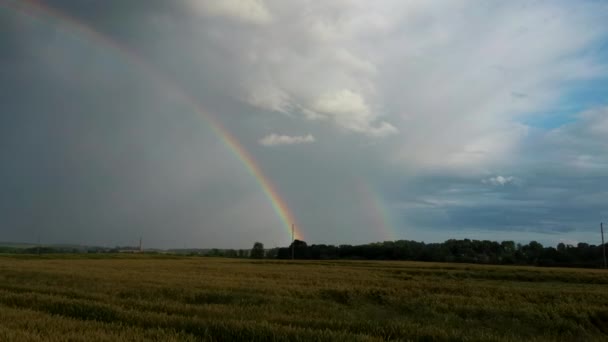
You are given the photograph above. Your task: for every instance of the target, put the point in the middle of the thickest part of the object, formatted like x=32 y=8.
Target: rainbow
x=375 y=208
x=39 y=11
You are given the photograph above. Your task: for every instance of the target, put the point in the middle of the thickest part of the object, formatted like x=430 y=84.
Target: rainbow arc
x=72 y=25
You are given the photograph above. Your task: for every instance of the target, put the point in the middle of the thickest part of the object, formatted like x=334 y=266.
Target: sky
x=201 y=123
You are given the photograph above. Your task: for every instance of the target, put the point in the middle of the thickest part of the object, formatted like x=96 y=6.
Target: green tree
x=257 y=252
x=272 y=253
x=508 y=247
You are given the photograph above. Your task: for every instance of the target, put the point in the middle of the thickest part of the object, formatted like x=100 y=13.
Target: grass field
x=71 y=298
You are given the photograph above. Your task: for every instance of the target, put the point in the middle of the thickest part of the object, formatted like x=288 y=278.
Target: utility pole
x=603 y=244
x=293 y=245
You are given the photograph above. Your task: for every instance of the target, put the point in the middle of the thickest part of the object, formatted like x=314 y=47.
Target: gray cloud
x=558 y=193
x=414 y=99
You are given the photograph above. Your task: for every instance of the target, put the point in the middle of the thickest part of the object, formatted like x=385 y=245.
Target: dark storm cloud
x=93 y=153
x=557 y=185
x=94 y=149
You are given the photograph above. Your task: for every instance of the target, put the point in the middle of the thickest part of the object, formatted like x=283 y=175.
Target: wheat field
x=163 y=298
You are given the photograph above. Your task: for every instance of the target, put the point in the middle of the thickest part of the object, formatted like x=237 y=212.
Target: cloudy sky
x=374 y=120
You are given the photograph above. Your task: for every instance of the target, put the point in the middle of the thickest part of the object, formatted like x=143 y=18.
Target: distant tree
x=533 y=251
x=508 y=246
x=214 y=252
x=272 y=253
x=300 y=249
x=257 y=252
x=230 y=253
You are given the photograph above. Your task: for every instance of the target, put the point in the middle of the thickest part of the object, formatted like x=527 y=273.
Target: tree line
x=464 y=251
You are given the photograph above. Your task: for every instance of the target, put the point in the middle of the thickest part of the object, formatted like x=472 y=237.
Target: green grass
x=135 y=297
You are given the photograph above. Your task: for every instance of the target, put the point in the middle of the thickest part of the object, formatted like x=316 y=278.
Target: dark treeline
x=465 y=251
x=54 y=250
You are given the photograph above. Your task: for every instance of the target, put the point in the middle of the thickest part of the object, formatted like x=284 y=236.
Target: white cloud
x=309 y=52
x=341 y=103
x=271 y=98
x=250 y=11
x=350 y=111
x=441 y=75
x=499 y=180
x=276 y=139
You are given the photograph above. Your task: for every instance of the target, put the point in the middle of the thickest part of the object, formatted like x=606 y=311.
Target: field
x=109 y=298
